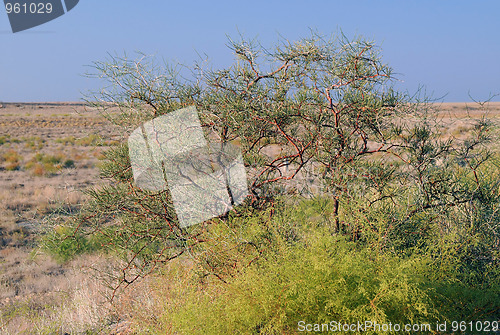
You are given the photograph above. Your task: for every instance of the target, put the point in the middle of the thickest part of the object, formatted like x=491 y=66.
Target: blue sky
x=450 y=47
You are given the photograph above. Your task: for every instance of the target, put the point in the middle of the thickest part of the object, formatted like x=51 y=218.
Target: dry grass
x=62 y=299
x=11 y=160
x=41 y=178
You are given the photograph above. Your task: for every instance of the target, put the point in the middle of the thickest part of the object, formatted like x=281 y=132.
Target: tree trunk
x=336 y=214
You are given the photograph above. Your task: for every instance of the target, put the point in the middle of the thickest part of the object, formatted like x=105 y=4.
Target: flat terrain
x=49 y=153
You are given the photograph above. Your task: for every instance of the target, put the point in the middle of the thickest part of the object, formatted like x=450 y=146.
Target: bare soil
x=48 y=155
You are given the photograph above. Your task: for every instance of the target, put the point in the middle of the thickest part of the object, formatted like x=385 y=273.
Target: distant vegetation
x=42 y=164
x=403 y=226
x=90 y=140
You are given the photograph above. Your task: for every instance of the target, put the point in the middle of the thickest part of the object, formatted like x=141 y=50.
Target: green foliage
x=116 y=164
x=45 y=165
x=63 y=244
x=465 y=286
x=318 y=277
x=327 y=279
x=68 y=163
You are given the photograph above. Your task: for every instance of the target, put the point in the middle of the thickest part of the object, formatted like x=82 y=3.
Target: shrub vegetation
x=402 y=226
x=45 y=165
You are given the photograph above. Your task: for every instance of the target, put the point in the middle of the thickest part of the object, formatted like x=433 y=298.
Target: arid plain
x=49 y=154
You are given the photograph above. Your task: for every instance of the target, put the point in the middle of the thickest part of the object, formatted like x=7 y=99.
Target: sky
x=450 y=48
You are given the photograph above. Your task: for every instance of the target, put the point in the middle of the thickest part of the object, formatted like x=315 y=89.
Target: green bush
x=327 y=280
x=42 y=164
x=317 y=278
x=68 y=163
x=63 y=244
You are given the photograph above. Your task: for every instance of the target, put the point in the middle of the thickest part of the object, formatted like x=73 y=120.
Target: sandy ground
x=48 y=155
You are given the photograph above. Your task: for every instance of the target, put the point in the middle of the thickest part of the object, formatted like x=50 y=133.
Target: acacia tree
x=317 y=102
x=323 y=106
x=323 y=103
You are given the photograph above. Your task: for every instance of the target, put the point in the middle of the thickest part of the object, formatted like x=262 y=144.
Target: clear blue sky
x=451 y=47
